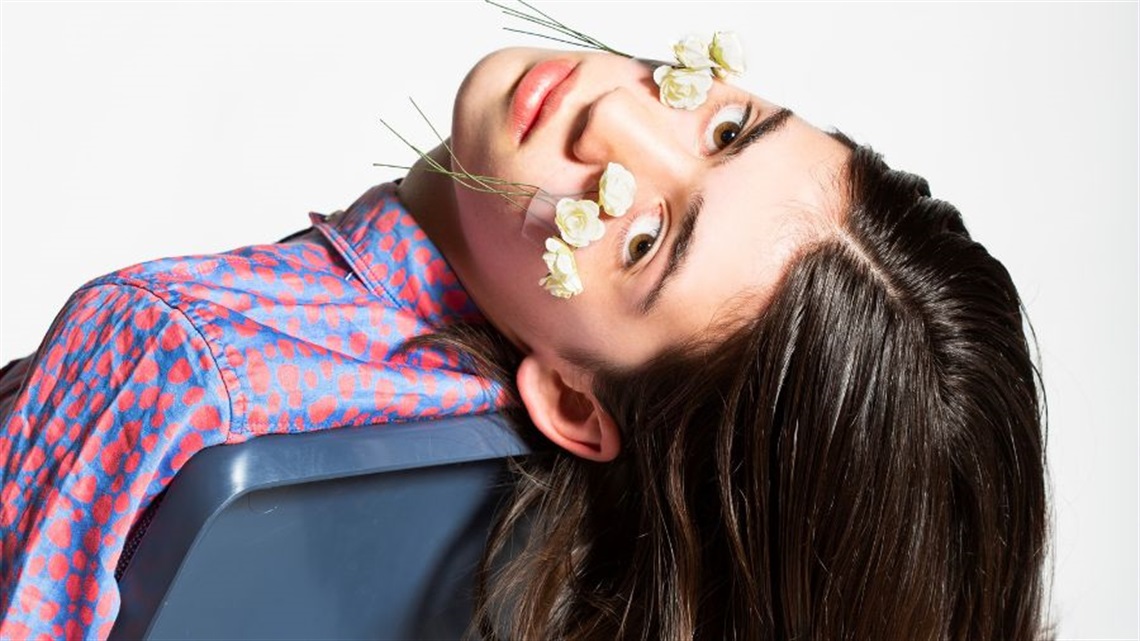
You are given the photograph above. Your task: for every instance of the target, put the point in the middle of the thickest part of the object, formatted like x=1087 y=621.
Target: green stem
x=545 y=20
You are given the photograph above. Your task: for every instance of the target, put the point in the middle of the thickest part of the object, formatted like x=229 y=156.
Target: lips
x=539 y=93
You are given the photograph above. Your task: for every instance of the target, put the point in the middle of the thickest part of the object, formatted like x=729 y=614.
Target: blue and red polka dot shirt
x=148 y=365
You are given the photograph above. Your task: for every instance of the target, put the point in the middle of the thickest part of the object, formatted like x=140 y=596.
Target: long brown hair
x=863 y=460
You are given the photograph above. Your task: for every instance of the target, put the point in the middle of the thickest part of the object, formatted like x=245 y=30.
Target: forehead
x=760 y=208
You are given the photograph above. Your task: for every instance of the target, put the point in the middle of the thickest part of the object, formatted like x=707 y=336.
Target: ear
x=567 y=412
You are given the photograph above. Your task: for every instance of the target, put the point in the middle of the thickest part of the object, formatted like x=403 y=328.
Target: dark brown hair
x=863 y=460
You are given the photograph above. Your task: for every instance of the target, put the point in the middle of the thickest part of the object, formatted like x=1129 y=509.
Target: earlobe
x=570 y=417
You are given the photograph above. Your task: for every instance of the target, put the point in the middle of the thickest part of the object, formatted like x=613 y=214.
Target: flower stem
x=542 y=19
x=474 y=182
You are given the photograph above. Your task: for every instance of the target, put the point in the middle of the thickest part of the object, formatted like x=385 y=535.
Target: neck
x=429 y=197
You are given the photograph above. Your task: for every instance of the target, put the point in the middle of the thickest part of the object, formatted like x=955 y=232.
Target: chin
x=488 y=85
x=479 y=114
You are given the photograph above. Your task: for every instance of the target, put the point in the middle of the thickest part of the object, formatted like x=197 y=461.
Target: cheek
x=505 y=263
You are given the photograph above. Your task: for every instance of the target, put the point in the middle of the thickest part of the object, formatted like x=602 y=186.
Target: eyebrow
x=677 y=253
x=766 y=126
x=683 y=241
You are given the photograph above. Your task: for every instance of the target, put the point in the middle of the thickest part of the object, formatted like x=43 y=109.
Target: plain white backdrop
x=132 y=131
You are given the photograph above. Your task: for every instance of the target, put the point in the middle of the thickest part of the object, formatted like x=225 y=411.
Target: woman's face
x=718 y=210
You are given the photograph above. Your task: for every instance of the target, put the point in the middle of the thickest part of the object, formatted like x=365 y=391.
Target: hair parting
x=862 y=459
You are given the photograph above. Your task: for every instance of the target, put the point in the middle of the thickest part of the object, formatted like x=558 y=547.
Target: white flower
x=562 y=288
x=563 y=280
x=683 y=88
x=693 y=53
x=727 y=54
x=616 y=189
x=579 y=221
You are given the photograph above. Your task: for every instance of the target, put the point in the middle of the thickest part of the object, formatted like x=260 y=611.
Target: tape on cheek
x=538 y=224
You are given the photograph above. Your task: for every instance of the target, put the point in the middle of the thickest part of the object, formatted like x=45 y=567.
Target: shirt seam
x=210 y=345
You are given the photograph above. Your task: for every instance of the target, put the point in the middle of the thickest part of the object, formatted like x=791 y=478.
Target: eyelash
x=650 y=222
x=709 y=143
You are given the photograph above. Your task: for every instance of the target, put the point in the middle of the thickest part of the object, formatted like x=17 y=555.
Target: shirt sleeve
x=120 y=394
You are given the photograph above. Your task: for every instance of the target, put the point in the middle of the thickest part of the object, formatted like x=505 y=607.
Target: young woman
x=793 y=398
x=812 y=388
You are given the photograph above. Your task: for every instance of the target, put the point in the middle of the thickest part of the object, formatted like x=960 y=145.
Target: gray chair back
x=362 y=533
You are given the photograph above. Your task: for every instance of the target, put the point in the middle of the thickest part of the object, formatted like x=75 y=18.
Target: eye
x=724 y=127
x=641 y=239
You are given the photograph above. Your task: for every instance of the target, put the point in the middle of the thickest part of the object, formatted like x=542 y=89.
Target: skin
x=760 y=205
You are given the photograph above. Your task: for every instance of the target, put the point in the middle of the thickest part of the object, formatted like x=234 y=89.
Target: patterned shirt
x=148 y=365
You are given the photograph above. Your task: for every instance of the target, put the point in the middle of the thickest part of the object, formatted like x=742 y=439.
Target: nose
x=628 y=129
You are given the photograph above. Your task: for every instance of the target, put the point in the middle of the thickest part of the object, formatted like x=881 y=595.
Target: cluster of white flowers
x=563 y=280
x=579 y=224
x=686 y=85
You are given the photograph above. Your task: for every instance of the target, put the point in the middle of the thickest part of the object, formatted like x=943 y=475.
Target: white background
x=132 y=131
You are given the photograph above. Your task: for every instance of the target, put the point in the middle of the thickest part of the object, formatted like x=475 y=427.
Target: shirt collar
x=393 y=257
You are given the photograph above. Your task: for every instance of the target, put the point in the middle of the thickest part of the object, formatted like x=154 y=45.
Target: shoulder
x=117 y=352
x=251 y=267
x=210 y=288
x=109 y=327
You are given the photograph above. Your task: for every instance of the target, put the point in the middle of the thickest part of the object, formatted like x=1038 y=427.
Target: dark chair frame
x=370 y=532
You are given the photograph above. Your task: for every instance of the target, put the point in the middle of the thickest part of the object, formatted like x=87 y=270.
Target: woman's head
x=726 y=194
x=864 y=458
x=828 y=426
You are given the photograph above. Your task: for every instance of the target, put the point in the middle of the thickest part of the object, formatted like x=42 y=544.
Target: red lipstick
x=535 y=95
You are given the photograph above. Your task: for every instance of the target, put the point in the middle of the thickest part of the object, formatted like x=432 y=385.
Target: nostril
x=590 y=137
x=616 y=124
x=577 y=130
